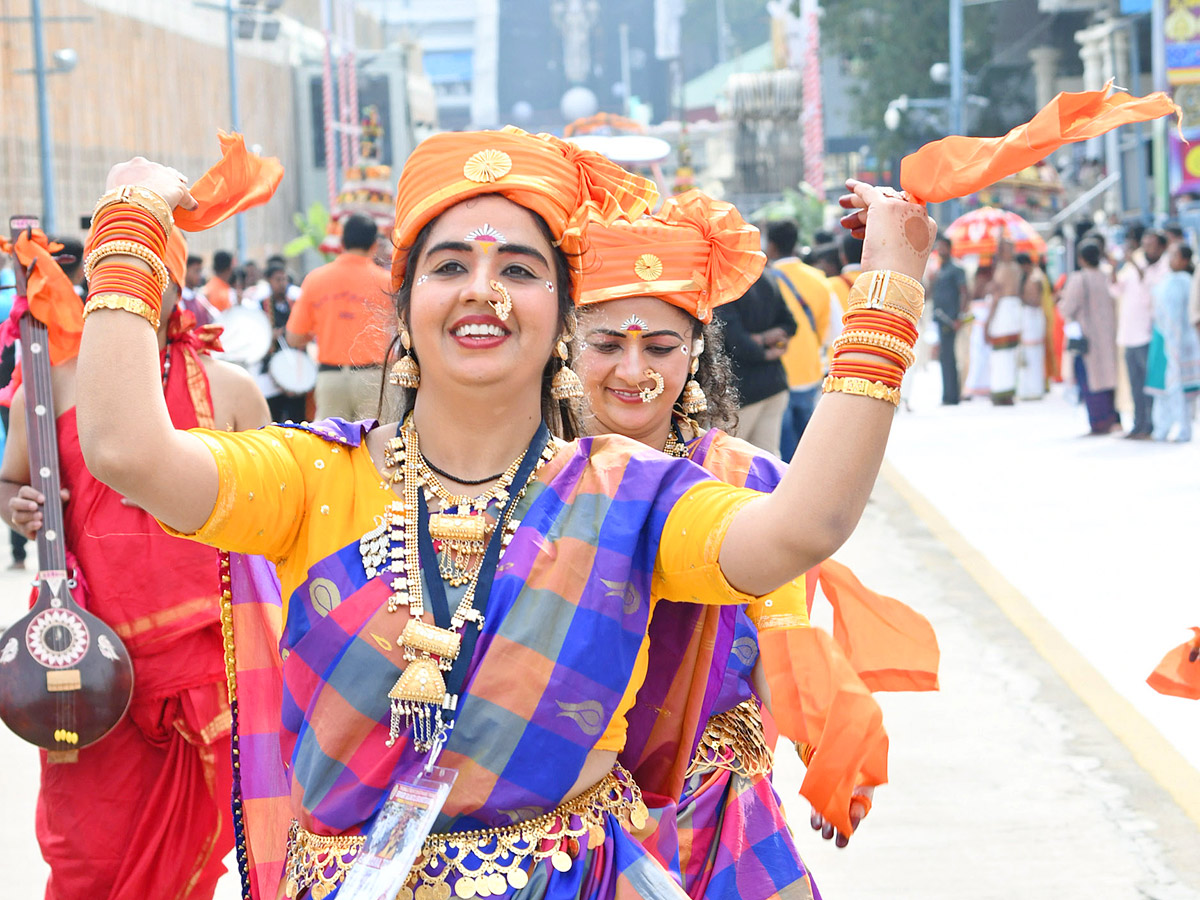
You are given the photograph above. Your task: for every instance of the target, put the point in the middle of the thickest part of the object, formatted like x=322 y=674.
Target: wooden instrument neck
x=42 y=433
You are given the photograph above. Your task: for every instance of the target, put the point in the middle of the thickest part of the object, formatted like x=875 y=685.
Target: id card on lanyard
x=395 y=840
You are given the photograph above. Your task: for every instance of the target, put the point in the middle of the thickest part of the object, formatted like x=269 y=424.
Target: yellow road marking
x=1153 y=752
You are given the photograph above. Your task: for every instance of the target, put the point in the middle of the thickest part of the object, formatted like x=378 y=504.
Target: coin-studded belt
x=483 y=863
x=734 y=741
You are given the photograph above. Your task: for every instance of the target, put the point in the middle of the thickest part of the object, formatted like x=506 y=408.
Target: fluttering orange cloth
x=956 y=166
x=52 y=297
x=891 y=646
x=564 y=184
x=1178 y=675
x=695 y=253
x=240 y=181
x=817 y=698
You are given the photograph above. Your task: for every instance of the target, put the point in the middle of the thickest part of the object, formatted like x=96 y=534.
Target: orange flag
x=956 y=166
x=891 y=646
x=240 y=181
x=1178 y=675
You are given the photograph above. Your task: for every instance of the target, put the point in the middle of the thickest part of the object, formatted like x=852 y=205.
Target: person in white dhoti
x=1031 y=377
x=1004 y=325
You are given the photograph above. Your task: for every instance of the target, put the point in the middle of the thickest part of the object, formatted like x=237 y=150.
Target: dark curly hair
x=715 y=376
x=559 y=415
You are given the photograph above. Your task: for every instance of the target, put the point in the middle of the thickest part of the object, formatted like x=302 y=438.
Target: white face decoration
x=486 y=237
x=634 y=325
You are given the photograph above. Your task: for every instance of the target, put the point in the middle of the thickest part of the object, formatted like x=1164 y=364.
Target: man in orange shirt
x=218 y=292
x=346 y=307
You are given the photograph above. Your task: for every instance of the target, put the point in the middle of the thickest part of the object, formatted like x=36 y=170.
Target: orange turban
x=176 y=259
x=695 y=253
x=561 y=182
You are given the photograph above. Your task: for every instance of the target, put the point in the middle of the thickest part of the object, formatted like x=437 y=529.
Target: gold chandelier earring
x=693 y=400
x=406 y=373
x=566 y=384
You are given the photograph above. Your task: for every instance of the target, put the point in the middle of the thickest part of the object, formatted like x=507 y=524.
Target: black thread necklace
x=455 y=478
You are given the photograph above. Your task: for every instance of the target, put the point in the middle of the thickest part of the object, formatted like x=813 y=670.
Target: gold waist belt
x=734 y=741
x=482 y=863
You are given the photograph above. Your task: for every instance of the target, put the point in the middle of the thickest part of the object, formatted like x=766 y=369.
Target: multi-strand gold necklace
x=420 y=695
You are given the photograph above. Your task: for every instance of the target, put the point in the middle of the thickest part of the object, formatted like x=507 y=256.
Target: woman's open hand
x=168 y=183
x=897 y=234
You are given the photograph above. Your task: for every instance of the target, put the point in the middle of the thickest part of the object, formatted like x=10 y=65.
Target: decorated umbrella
x=980 y=230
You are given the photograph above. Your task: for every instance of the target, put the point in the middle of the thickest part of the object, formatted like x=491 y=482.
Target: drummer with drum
x=346 y=307
x=287 y=399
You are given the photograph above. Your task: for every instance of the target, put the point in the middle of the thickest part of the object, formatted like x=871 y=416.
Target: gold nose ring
x=649 y=394
x=504 y=305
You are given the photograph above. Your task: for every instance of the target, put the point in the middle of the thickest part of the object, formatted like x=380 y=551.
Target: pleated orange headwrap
x=564 y=184
x=695 y=253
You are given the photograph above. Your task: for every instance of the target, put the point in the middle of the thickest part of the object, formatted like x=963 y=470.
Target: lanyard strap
x=435 y=589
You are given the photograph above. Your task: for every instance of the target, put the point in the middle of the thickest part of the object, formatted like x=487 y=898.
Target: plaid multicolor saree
x=563 y=639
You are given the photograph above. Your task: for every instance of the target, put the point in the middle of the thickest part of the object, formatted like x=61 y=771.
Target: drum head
x=247 y=335
x=293 y=370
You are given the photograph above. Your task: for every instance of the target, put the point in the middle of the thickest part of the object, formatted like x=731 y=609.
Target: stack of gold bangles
x=881 y=321
x=128 y=222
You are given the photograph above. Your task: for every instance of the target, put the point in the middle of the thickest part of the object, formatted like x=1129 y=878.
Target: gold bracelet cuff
x=860 y=387
x=123 y=302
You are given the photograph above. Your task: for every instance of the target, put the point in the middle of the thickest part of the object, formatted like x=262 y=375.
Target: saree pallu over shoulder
x=583 y=569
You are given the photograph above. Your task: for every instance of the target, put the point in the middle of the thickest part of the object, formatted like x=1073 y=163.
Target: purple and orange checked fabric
x=582 y=572
x=720 y=832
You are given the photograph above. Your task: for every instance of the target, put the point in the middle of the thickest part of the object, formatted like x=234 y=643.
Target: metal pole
x=1135 y=78
x=49 y=221
x=235 y=114
x=956 y=85
x=721 y=53
x=625 y=69
x=1158 y=67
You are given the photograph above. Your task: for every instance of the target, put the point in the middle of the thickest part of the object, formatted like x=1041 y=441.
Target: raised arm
x=776 y=537
x=125 y=432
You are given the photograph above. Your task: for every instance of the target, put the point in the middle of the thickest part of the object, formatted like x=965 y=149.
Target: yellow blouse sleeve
x=785 y=607
x=688 y=566
x=261 y=493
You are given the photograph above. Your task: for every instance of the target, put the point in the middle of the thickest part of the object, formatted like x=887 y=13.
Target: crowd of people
x=1123 y=328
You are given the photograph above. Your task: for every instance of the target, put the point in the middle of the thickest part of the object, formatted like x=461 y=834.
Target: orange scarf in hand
x=956 y=166
x=240 y=181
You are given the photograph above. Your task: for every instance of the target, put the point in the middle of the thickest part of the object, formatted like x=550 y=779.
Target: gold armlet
x=124 y=302
x=890 y=291
x=129 y=248
x=139 y=196
x=806 y=752
x=860 y=387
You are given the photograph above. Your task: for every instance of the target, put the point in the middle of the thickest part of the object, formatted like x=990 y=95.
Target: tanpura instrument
x=65 y=677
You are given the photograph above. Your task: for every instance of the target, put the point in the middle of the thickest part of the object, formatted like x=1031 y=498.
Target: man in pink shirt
x=1135 y=322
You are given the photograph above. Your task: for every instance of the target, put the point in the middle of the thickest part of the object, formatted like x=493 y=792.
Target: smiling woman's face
x=457 y=331
x=621 y=340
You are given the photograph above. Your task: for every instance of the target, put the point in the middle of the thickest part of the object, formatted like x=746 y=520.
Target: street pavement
x=1056 y=571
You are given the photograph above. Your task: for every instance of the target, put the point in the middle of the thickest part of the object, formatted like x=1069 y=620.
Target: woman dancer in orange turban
x=447 y=579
